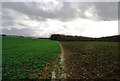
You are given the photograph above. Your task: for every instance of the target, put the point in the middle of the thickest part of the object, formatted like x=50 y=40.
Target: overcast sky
x=41 y=19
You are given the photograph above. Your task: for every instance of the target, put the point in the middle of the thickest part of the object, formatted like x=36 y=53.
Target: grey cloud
x=7 y=23
x=31 y=10
x=104 y=10
x=15 y=13
x=28 y=10
x=9 y=17
x=119 y=10
x=15 y=31
x=107 y=11
x=67 y=12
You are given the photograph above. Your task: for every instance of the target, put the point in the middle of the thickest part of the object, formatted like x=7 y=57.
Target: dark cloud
x=67 y=12
x=33 y=11
x=107 y=10
x=119 y=10
x=27 y=8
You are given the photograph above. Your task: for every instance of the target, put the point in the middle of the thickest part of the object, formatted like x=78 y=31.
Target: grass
x=91 y=60
x=28 y=58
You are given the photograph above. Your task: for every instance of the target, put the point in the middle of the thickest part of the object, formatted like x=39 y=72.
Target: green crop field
x=28 y=58
x=91 y=60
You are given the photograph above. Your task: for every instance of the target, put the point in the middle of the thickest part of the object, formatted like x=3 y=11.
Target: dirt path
x=63 y=75
x=59 y=72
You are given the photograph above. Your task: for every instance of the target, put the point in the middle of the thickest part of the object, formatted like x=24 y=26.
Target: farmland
x=28 y=58
x=91 y=60
x=31 y=58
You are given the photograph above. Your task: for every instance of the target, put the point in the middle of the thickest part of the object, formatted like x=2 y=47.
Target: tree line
x=60 y=37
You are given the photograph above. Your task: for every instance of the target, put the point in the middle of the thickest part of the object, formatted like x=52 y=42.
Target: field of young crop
x=91 y=60
x=28 y=58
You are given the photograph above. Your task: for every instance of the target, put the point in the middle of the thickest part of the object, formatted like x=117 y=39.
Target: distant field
x=28 y=58
x=91 y=60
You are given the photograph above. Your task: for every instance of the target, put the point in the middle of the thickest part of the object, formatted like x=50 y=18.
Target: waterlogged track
x=91 y=60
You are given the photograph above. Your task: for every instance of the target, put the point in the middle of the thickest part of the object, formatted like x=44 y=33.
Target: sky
x=41 y=19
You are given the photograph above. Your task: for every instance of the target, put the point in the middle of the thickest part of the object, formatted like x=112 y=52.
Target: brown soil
x=81 y=66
